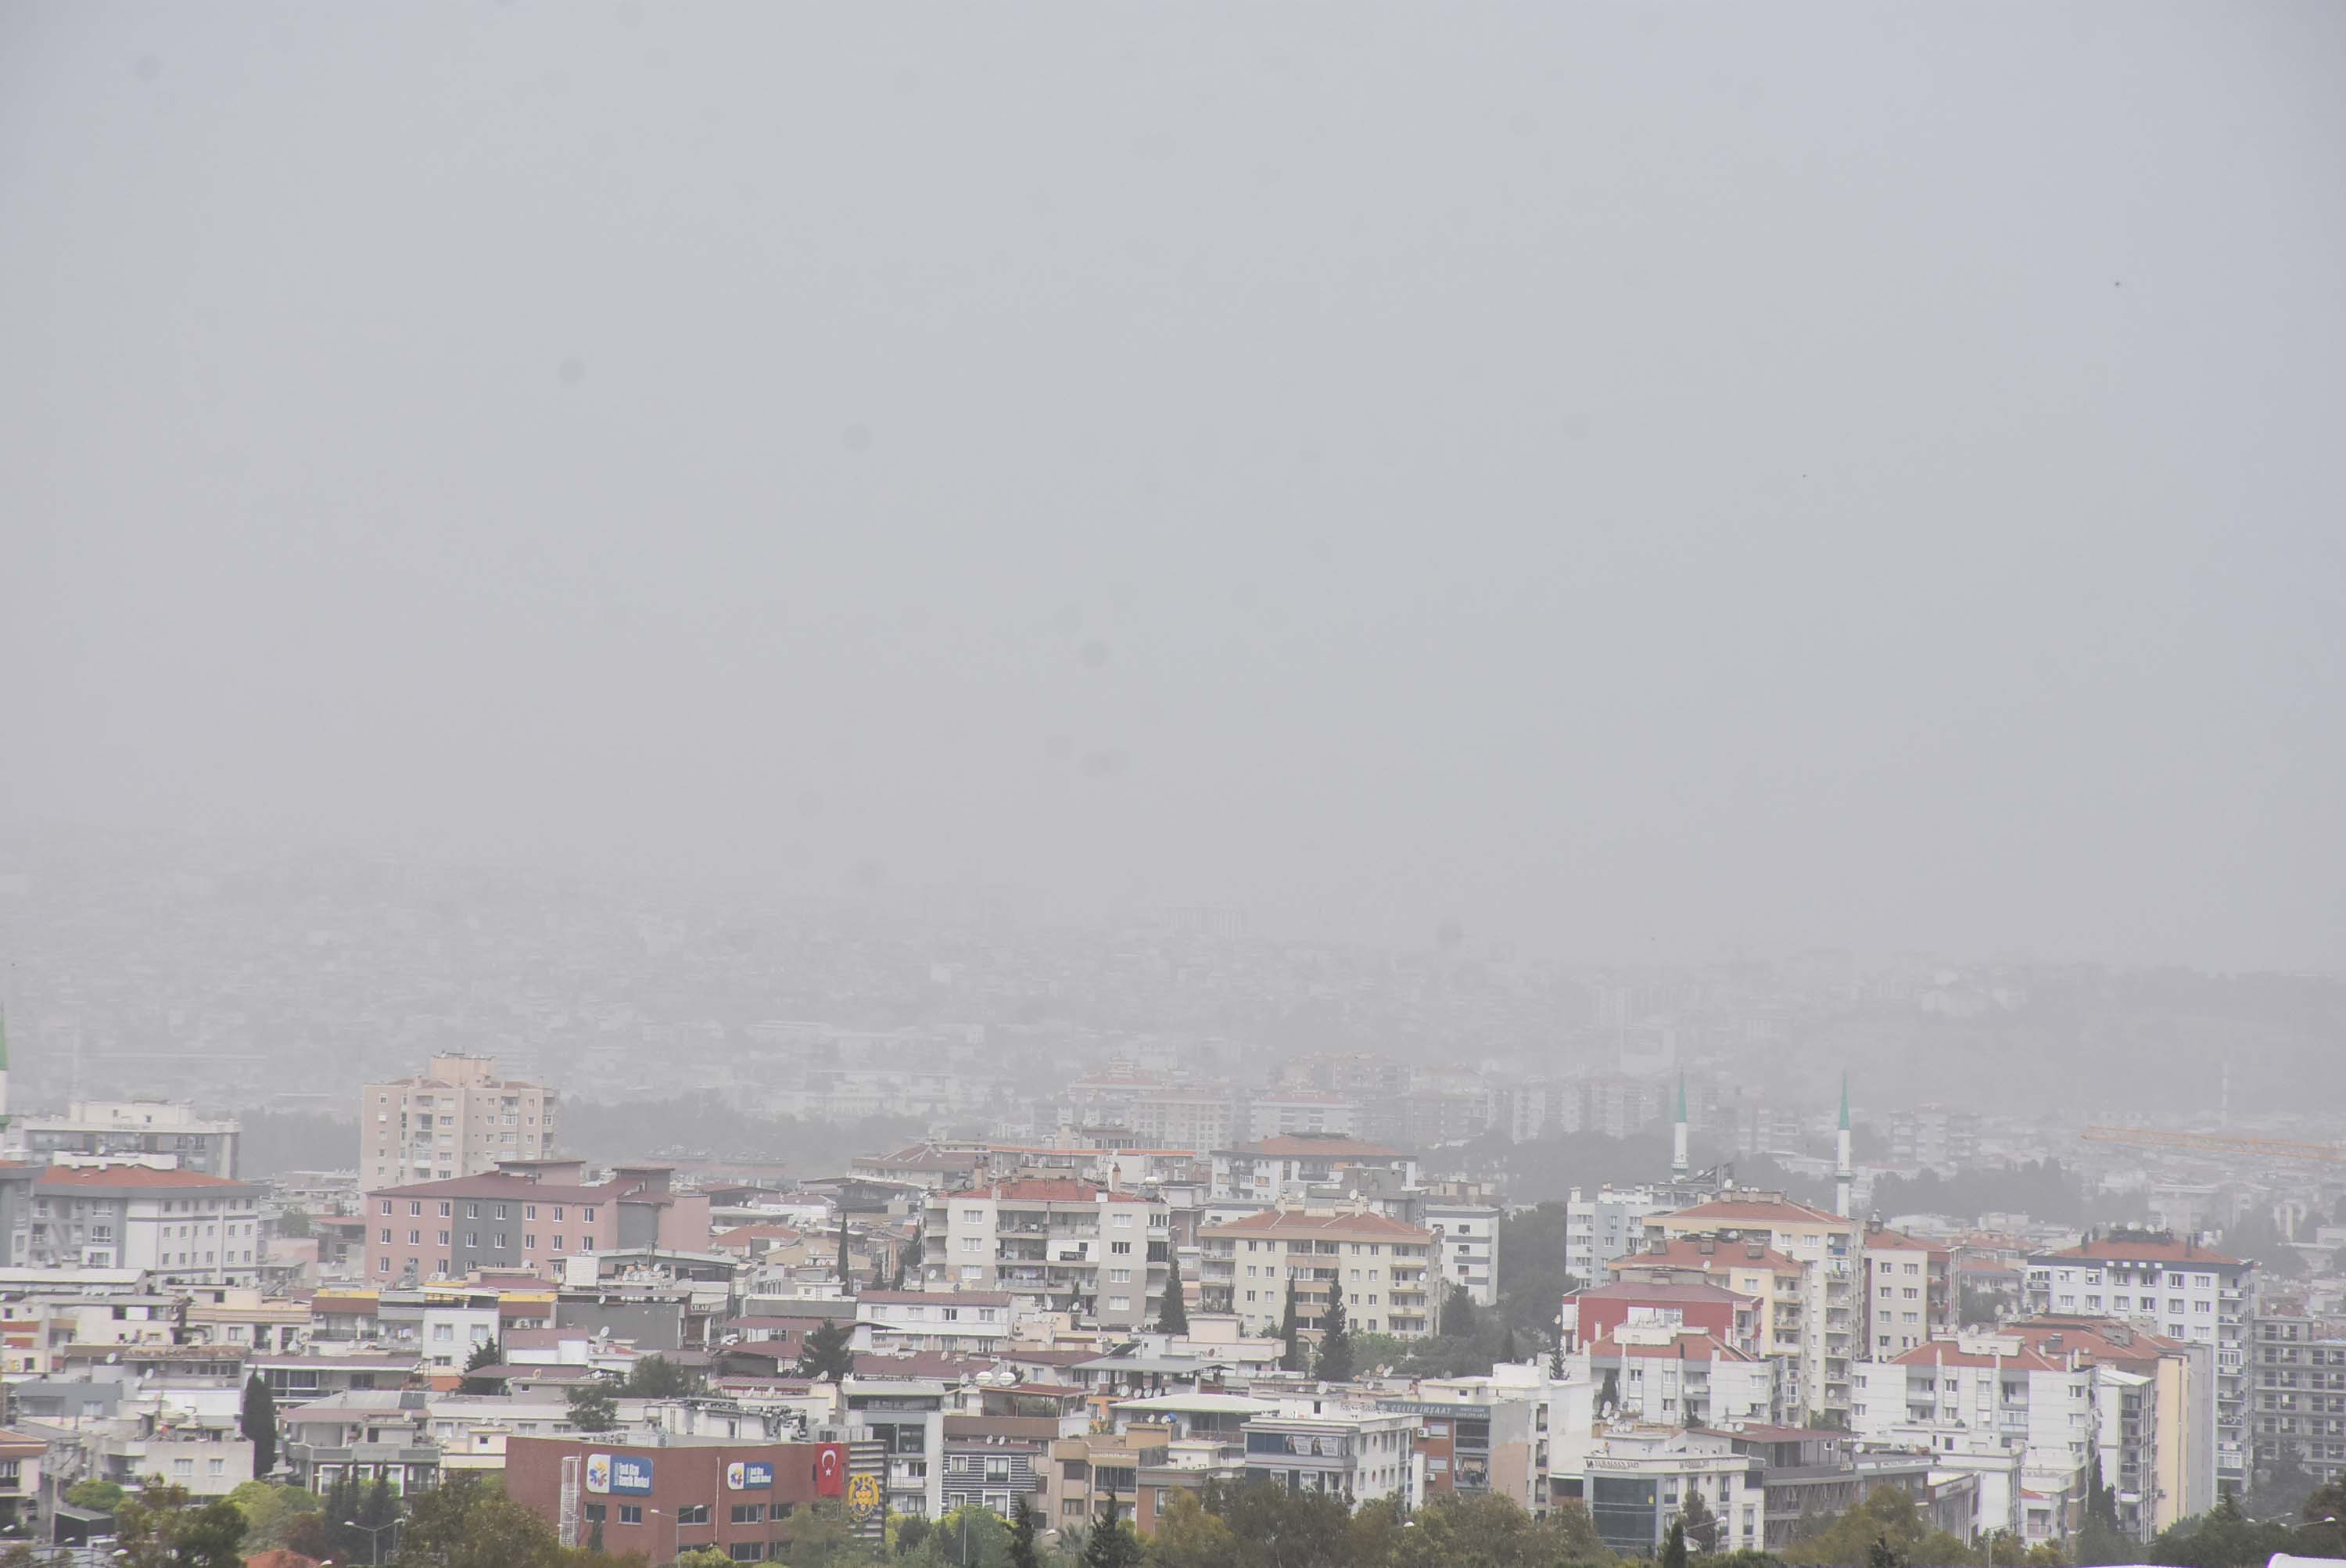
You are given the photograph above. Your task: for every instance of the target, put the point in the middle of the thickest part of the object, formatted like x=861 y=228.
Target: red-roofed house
x=1823 y=1327
x=1729 y=1316
x=1378 y=1262
x=528 y=1214
x=1677 y=1375
x=1092 y=1250
x=2173 y=1285
x=1980 y=1397
x=190 y=1228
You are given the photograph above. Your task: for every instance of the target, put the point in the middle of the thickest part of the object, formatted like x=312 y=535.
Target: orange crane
x=2219 y=1144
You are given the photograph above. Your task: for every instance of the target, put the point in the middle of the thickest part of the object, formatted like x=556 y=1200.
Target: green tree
x=704 y=1557
x=1674 y=1548
x=292 y=1222
x=97 y=1496
x=821 y=1535
x=906 y=1533
x=1110 y=1543
x=1887 y=1520
x=1021 y=1551
x=1335 y=1362
x=270 y=1510
x=1608 y=1392
x=657 y=1378
x=487 y=1353
x=2282 y=1487
x=1575 y=1532
x=162 y=1527
x=971 y=1536
x=828 y=1352
x=258 y=1422
x=1175 y=1318
x=592 y=1407
x=1290 y=1331
x=1188 y=1536
x=1701 y=1524
x=1458 y=1313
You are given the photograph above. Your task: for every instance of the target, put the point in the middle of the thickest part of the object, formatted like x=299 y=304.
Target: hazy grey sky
x=1638 y=480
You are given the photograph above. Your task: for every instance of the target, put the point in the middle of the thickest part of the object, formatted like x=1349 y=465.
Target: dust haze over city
x=1565 y=639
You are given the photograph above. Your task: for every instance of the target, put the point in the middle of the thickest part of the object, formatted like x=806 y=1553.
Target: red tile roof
x=1945 y=1353
x=1890 y=1240
x=1294 y=1222
x=132 y=1176
x=1744 y=1211
x=2096 y=1338
x=1691 y=1345
x=2145 y=1249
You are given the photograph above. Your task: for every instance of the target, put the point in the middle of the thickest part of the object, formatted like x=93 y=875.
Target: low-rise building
x=181 y=1227
x=1358 y=1455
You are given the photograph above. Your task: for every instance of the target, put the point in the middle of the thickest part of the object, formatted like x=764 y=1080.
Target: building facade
x=1378 y=1265
x=530 y=1217
x=167 y=1132
x=458 y=1118
x=1102 y=1254
x=185 y=1227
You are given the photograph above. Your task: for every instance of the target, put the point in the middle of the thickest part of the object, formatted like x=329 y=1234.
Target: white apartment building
x=185 y=1227
x=458 y=1119
x=1638 y=1479
x=1098 y=1253
x=1675 y=1376
x=1607 y=1224
x=1358 y=1455
x=1284 y=1111
x=1289 y=1165
x=1824 y=1330
x=1179 y=1117
x=1909 y=1292
x=1466 y=1247
x=2179 y=1288
x=1378 y=1264
x=158 y=1132
x=1954 y=1395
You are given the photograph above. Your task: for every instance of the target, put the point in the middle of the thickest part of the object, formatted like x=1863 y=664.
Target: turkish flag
x=831 y=1470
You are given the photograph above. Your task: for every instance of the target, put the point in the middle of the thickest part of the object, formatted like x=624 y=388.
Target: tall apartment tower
x=457 y=1119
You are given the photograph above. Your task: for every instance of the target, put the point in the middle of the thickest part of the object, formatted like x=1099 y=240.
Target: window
x=692 y=1513
x=586 y=1216
x=595 y=1514
x=748 y=1512
x=1122 y=1221
x=631 y=1513
x=529 y=1211
x=748 y=1550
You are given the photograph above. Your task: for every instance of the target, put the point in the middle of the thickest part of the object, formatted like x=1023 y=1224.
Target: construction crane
x=2218 y=1144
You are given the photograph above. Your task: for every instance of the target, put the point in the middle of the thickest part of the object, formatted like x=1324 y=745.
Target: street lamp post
x=375 y=1546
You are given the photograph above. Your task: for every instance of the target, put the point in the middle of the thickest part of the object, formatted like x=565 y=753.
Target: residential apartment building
x=1467 y=1247
x=1357 y=1455
x=1485 y=1434
x=1990 y=1390
x=184 y=1226
x=1179 y=1117
x=2178 y=1288
x=1677 y=1376
x=2154 y=1414
x=1082 y=1247
x=457 y=1119
x=1291 y=1166
x=2299 y=1382
x=160 y=1132
x=1378 y=1265
x=527 y=1217
x=1607 y=1224
x=1829 y=1336
x=1277 y=1113
x=1909 y=1292
x=1934 y=1137
x=1638 y=1483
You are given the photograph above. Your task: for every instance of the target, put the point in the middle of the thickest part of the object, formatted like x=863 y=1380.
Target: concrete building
x=1953 y=1394
x=1909 y=1292
x=2154 y=1414
x=1467 y=1247
x=458 y=1118
x=1358 y=1455
x=1098 y=1253
x=1828 y=1335
x=1293 y=1165
x=1934 y=1137
x=1378 y=1265
x=1659 y=1373
x=1607 y=1223
x=528 y=1215
x=2178 y=1288
x=2297 y=1380
x=906 y=1417
x=1639 y=1482
x=686 y=1494
x=182 y=1227
x=163 y=1132
x=1279 y=1113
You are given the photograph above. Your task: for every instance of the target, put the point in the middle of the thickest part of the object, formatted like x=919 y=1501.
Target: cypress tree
x=258 y=1422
